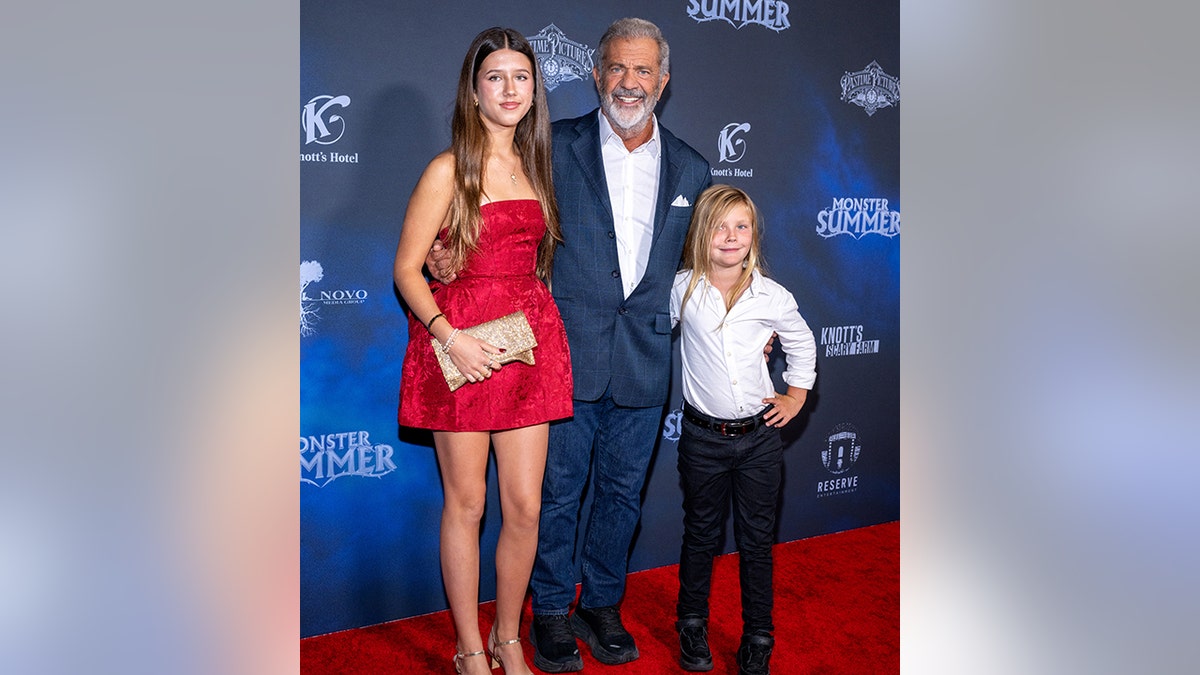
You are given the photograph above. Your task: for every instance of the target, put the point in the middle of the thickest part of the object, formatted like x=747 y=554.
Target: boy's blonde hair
x=713 y=205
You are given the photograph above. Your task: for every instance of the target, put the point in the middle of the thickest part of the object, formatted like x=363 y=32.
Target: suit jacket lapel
x=668 y=182
x=587 y=151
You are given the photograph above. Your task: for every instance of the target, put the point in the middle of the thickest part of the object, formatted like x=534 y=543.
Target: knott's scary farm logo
x=770 y=14
x=871 y=88
x=327 y=457
x=847 y=341
x=561 y=58
x=858 y=218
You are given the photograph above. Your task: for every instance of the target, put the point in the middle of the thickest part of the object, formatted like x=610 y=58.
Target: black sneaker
x=694 y=654
x=554 y=646
x=754 y=656
x=601 y=629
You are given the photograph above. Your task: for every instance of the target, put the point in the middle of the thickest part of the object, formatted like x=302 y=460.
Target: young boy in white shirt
x=730 y=447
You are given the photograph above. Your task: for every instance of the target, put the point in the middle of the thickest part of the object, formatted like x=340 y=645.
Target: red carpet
x=837 y=610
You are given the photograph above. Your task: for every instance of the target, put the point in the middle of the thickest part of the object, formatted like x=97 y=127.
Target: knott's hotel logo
x=731 y=148
x=561 y=58
x=871 y=88
x=770 y=14
x=321 y=124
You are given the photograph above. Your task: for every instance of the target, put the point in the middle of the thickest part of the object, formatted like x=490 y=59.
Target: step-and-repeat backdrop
x=795 y=102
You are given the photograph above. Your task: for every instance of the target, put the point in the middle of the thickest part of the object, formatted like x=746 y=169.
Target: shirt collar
x=757 y=286
x=608 y=135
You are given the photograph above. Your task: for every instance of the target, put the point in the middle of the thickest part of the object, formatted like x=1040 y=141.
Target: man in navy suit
x=625 y=188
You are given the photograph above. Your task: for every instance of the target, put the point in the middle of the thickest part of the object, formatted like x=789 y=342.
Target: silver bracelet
x=450 y=340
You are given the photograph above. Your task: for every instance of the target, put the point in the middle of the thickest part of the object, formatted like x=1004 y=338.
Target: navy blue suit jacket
x=617 y=343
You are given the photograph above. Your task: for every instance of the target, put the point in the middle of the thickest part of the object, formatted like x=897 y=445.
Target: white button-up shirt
x=724 y=372
x=633 y=191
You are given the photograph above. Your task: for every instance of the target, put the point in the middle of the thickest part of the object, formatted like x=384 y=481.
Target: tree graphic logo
x=310 y=271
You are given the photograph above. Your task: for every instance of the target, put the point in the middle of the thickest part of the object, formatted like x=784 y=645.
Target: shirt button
x=735 y=381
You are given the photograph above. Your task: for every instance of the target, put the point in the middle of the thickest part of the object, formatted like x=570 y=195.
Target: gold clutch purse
x=512 y=332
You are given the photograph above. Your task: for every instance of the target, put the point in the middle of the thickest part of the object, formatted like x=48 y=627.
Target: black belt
x=736 y=427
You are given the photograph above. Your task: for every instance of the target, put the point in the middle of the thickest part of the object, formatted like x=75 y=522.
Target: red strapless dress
x=497 y=279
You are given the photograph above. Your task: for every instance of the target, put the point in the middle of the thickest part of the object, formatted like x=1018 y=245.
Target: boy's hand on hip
x=786 y=406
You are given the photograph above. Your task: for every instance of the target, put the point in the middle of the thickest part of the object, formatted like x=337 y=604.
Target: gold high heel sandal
x=498 y=662
x=458 y=659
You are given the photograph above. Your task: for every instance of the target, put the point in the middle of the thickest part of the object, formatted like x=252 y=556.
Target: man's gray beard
x=614 y=117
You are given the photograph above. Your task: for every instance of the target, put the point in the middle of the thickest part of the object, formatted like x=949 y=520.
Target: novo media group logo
x=770 y=14
x=843 y=447
x=561 y=58
x=311 y=272
x=871 y=88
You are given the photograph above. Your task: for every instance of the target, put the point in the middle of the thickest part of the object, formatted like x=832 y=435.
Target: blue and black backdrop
x=797 y=102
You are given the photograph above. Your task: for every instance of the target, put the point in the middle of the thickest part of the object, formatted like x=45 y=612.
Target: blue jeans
x=715 y=470
x=614 y=443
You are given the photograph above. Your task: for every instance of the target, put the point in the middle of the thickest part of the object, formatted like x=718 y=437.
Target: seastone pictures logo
x=847 y=341
x=322 y=124
x=561 y=58
x=327 y=457
x=843 y=447
x=312 y=272
x=770 y=14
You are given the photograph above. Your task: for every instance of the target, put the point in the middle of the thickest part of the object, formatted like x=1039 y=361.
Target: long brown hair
x=713 y=205
x=469 y=144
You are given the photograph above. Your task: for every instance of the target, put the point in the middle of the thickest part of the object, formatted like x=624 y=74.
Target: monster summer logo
x=561 y=58
x=327 y=457
x=858 y=217
x=770 y=14
x=871 y=88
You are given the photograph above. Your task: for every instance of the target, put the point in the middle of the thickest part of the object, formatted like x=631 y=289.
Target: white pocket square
x=681 y=201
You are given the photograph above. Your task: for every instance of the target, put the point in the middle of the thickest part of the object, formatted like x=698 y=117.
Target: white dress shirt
x=724 y=372
x=633 y=191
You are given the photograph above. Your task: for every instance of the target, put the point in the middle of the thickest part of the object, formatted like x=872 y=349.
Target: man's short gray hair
x=630 y=28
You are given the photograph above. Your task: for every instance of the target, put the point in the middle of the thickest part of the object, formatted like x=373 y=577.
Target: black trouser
x=714 y=468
